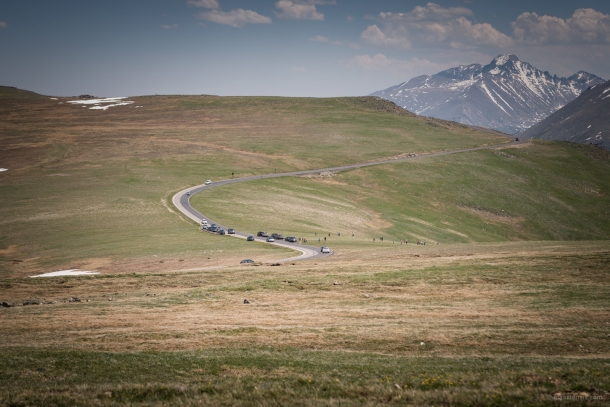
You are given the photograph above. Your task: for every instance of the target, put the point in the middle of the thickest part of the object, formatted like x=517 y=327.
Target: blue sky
x=284 y=47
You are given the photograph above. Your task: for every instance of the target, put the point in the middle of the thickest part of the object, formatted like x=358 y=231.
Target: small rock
x=246 y=302
x=110 y=299
x=34 y=301
x=397 y=386
x=421 y=344
x=74 y=299
x=7 y=304
x=336 y=283
x=367 y=296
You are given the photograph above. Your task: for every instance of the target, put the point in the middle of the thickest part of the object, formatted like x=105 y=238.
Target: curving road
x=181 y=199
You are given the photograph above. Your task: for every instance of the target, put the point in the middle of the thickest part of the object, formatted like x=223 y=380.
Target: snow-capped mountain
x=584 y=120
x=507 y=95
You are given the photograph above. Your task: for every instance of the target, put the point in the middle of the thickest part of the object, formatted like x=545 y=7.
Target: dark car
x=262 y=234
x=231 y=231
x=516 y=138
x=291 y=239
x=250 y=238
x=213 y=229
x=246 y=261
x=277 y=236
x=221 y=232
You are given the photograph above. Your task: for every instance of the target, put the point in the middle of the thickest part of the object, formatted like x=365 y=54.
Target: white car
x=208 y=182
x=324 y=249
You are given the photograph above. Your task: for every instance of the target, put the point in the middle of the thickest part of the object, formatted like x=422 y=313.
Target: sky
x=317 y=48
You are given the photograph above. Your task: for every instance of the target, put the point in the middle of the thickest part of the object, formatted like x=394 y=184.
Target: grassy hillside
x=545 y=191
x=89 y=188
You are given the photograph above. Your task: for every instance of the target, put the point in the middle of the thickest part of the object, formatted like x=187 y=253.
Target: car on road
x=221 y=232
x=205 y=227
x=291 y=239
x=188 y=193
x=208 y=182
x=246 y=261
x=324 y=249
x=516 y=138
x=250 y=238
x=231 y=231
x=204 y=222
x=277 y=236
x=213 y=229
x=270 y=239
x=262 y=234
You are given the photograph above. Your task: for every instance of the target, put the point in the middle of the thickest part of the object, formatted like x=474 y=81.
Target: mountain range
x=507 y=94
x=586 y=120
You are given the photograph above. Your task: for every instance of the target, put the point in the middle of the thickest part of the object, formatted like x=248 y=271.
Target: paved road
x=181 y=199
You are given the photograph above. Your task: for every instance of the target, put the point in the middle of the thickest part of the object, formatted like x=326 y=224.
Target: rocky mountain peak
x=507 y=94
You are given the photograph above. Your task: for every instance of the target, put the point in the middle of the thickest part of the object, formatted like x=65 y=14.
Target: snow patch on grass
x=62 y=273
x=102 y=104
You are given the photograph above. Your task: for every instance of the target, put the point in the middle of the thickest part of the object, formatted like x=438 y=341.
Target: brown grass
x=346 y=303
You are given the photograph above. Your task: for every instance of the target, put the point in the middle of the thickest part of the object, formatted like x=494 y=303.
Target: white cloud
x=349 y=18
x=319 y=38
x=301 y=9
x=433 y=24
x=168 y=26
x=235 y=18
x=586 y=26
x=213 y=4
x=3 y=24
x=380 y=62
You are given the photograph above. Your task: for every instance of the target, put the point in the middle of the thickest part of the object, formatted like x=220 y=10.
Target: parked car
x=204 y=222
x=213 y=229
x=231 y=231
x=221 y=232
x=325 y=249
x=205 y=227
x=262 y=234
x=246 y=261
x=270 y=239
x=291 y=239
x=516 y=138
x=208 y=182
x=250 y=238
x=277 y=236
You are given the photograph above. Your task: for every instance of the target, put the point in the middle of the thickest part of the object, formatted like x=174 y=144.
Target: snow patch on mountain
x=507 y=94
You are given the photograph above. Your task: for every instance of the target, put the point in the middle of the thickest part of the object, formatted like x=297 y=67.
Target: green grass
x=549 y=191
x=271 y=376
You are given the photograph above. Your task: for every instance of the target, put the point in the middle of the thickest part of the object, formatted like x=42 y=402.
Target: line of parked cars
x=213 y=228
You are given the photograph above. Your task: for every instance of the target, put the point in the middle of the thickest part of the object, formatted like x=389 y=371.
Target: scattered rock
x=397 y=386
x=367 y=296
x=276 y=264
x=421 y=344
x=33 y=301
x=110 y=299
x=74 y=299
x=7 y=304
x=246 y=302
x=336 y=283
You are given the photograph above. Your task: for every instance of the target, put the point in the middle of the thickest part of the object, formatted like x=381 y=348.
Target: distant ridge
x=11 y=92
x=507 y=94
x=586 y=120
